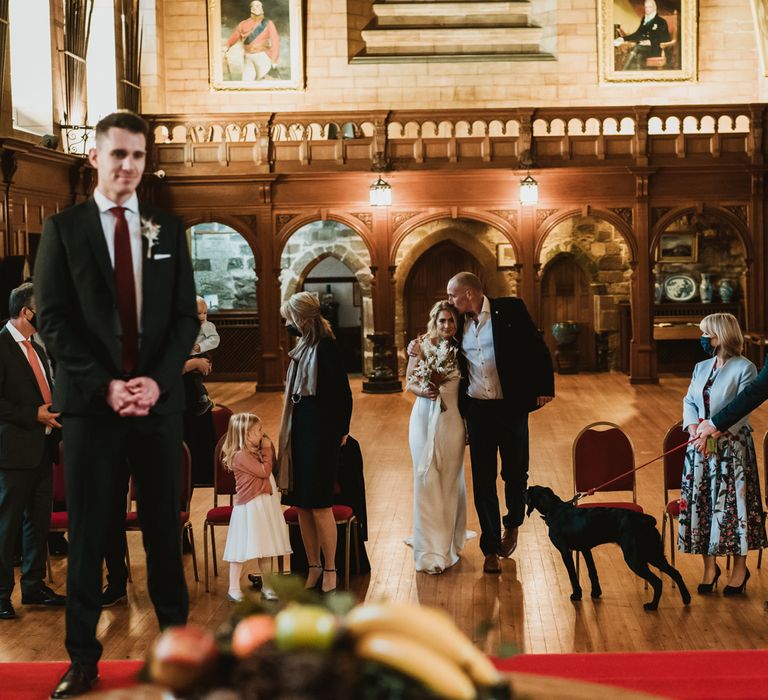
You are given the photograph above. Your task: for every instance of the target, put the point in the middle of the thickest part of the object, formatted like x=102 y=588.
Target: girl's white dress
x=257 y=528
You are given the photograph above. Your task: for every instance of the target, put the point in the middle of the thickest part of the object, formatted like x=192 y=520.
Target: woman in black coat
x=315 y=425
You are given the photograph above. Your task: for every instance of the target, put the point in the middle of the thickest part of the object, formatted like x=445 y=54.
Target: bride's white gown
x=439 y=491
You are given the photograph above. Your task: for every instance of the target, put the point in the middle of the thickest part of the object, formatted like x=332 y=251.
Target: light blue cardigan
x=730 y=379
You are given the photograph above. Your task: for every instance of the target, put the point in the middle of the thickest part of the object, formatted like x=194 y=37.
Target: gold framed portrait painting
x=647 y=40
x=256 y=44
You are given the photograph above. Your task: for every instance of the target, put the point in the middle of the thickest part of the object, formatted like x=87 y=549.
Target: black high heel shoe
x=705 y=588
x=737 y=590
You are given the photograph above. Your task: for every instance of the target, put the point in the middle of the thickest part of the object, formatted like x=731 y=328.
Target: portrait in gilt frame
x=647 y=40
x=256 y=44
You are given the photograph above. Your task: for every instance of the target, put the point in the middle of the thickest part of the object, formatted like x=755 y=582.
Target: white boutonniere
x=654 y=27
x=151 y=231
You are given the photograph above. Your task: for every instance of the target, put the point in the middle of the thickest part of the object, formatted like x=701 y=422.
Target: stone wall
x=176 y=79
x=320 y=239
x=601 y=252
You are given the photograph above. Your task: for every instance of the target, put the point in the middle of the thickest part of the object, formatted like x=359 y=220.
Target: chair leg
x=280 y=564
x=759 y=558
x=672 y=540
x=214 y=556
x=357 y=547
x=346 y=557
x=194 y=554
x=205 y=553
x=128 y=561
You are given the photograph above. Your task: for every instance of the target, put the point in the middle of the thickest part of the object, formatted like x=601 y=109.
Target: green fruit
x=305 y=627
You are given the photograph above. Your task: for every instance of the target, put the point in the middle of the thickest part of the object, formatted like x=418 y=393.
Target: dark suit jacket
x=22 y=438
x=656 y=31
x=522 y=358
x=754 y=394
x=79 y=320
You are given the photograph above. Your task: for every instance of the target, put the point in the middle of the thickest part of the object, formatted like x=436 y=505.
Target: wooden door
x=566 y=296
x=427 y=281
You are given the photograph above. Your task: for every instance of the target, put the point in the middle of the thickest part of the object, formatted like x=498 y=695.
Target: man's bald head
x=465 y=292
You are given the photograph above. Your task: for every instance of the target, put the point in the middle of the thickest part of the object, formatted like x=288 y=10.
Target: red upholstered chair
x=132 y=516
x=221 y=415
x=602 y=451
x=345 y=518
x=219 y=515
x=673 y=474
x=59 y=519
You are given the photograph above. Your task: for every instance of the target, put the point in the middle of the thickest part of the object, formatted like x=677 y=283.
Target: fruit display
x=318 y=649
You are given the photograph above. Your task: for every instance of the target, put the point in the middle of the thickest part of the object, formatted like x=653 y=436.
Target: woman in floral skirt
x=721 y=509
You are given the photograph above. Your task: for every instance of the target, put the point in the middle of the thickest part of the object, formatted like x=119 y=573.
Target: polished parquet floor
x=527 y=606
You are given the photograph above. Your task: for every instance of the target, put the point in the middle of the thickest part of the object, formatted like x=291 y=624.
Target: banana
x=435 y=671
x=429 y=626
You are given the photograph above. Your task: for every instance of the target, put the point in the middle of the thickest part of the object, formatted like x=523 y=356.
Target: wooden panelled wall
x=267 y=175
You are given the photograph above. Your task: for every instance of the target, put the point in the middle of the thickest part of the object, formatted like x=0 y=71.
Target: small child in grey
x=207 y=340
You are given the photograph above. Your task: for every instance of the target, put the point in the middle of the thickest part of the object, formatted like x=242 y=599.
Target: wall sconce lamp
x=529 y=188
x=380 y=192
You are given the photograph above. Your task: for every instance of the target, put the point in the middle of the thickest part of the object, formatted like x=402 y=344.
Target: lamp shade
x=380 y=193
x=529 y=190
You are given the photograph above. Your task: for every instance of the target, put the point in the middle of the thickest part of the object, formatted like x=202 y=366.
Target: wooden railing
x=551 y=137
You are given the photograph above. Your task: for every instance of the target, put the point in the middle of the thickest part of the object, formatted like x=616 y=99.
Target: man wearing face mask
x=29 y=436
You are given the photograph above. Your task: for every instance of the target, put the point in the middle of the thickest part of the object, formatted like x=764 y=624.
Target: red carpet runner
x=685 y=675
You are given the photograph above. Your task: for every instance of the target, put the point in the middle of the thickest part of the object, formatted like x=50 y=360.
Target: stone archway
x=599 y=250
x=477 y=238
x=320 y=239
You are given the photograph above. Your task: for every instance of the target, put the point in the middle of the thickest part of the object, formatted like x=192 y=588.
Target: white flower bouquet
x=438 y=364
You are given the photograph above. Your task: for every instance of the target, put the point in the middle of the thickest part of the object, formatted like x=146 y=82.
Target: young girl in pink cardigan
x=257 y=529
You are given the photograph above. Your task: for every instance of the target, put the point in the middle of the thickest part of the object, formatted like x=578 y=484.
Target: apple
x=251 y=632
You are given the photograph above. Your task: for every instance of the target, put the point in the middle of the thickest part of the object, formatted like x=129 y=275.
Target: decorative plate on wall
x=680 y=287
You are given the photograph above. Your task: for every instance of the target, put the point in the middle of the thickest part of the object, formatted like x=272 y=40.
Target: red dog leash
x=591 y=492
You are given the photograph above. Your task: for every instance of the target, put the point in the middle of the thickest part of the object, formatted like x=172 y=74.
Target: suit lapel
x=95 y=234
x=151 y=273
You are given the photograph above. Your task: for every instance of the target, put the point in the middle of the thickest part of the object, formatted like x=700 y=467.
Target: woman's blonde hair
x=435 y=311
x=730 y=341
x=239 y=425
x=303 y=311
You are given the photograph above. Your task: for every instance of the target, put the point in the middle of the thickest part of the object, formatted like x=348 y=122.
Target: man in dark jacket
x=116 y=299
x=648 y=37
x=29 y=436
x=506 y=373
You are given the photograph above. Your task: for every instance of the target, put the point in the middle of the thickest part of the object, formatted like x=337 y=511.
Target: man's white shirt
x=477 y=344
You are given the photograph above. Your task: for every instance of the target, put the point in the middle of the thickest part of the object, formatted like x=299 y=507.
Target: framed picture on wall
x=256 y=45
x=505 y=256
x=647 y=40
x=760 y=13
x=678 y=247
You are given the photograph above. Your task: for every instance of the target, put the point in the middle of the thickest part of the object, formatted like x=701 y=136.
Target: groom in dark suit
x=29 y=437
x=506 y=372
x=116 y=300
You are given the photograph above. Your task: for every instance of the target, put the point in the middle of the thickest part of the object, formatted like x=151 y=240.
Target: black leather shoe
x=491 y=564
x=6 y=609
x=112 y=596
x=57 y=544
x=78 y=680
x=256 y=581
x=508 y=542
x=43 y=596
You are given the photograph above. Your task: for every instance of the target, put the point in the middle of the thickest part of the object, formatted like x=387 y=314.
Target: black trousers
x=99 y=452
x=495 y=429
x=25 y=505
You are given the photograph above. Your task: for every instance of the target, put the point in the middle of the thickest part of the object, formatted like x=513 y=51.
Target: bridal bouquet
x=439 y=363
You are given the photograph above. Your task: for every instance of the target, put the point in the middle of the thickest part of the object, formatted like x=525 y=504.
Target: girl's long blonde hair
x=239 y=425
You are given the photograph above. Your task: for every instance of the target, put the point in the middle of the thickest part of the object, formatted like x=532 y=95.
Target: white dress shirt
x=477 y=344
x=19 y=338
x=133 y=218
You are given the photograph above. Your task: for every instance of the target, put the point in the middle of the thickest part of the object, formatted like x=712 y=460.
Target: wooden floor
x=527 y=606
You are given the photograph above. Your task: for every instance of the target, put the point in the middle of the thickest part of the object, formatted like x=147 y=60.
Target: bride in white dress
x=437 y=444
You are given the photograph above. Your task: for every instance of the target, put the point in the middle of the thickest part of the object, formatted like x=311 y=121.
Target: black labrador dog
x=580 y=529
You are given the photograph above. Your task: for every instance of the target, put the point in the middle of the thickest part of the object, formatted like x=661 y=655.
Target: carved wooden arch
x=298 y=222
x=725 y=215
x=236 y=223
x=549 y=224
x=408 y=226
x=311 y=264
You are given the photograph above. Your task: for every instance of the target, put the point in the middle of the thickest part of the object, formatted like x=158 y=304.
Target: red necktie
x=37 y=368
x=126 y=290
